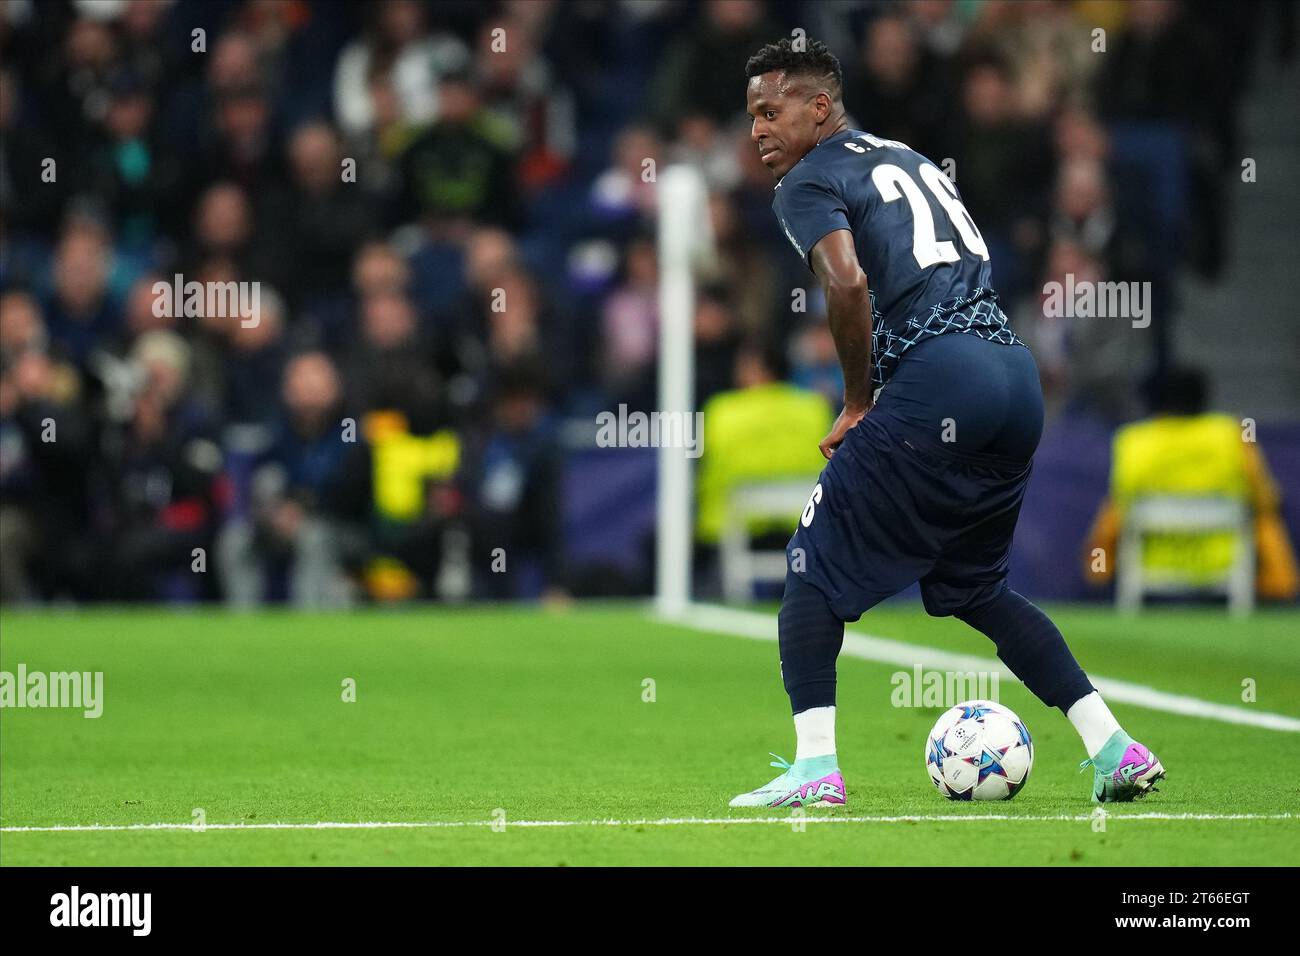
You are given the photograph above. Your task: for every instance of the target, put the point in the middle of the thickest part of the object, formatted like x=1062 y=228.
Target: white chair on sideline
x=1162 y=515
x=742 y=564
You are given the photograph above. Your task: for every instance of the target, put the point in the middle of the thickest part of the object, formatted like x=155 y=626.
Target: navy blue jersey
x=926 y=264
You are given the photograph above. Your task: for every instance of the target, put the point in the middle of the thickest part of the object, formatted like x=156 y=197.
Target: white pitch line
x=726 y=620
x=665 y=822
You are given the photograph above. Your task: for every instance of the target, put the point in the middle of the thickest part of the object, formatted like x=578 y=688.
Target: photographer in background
x=160 y=474
x=513 y=486
x=292 y=530
x=46 y=442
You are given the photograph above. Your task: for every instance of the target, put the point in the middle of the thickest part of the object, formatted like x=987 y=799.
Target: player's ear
x=824 y=105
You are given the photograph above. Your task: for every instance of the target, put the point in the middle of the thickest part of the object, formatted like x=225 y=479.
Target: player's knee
x=962 y=603
x=934 y=605
x=806 y=615
x=803 y=603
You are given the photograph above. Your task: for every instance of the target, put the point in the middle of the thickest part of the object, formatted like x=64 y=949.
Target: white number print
x=946 y=193
x=927 y=249
x=889 y=179
x=813 y=500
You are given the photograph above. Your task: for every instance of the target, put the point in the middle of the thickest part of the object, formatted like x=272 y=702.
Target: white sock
x=1094 y=722
x=815 y=730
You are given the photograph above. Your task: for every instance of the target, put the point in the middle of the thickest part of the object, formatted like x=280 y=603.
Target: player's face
x=787 y=116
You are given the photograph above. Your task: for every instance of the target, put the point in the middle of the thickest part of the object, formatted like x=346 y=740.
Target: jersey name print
x=926 y=264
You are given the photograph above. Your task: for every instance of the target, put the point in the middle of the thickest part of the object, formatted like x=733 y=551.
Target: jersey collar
x=844 y=133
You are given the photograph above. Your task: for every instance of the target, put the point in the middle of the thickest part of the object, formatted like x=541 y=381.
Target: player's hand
x=846 y=420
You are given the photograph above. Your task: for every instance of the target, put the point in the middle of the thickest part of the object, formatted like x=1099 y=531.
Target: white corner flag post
x=685 y=238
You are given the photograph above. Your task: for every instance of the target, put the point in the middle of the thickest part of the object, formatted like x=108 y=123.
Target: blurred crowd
x=449 y=208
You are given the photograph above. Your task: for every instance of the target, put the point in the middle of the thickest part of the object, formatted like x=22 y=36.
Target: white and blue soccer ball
x=979 y=750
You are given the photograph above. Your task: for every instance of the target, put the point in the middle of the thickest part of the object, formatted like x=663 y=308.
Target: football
x=979 y=750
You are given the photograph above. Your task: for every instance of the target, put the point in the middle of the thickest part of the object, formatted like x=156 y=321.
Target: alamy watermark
x=210 y=300
x=78 y=908
x=78 y=690
x=624 y=429
x=921 y=688
x=1085 y=299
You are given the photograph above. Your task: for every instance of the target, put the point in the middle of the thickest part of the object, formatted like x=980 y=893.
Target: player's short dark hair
x=815 y=61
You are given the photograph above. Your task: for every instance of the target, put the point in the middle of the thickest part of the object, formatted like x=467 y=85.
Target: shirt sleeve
x=808 y=208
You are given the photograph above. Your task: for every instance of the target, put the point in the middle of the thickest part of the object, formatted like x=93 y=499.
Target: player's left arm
x=834 y=261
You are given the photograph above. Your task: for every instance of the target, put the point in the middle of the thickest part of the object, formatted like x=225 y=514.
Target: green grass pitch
x=477 y=714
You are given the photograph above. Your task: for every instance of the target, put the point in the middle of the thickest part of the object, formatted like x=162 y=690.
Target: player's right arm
x=834 y=260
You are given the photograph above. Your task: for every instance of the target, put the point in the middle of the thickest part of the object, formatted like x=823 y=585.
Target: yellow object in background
x=762 y=433
x=404 y=463
x=389 y=580
x=1197 y=456
x=1110 y=15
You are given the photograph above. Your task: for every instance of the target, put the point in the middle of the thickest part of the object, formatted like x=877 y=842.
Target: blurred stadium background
x=391 y=173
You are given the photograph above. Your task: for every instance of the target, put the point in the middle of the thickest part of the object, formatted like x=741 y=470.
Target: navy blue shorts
x=928 y=486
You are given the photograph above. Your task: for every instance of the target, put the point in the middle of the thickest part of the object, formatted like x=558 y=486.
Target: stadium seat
x=742 y=564
x=1189 y=521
